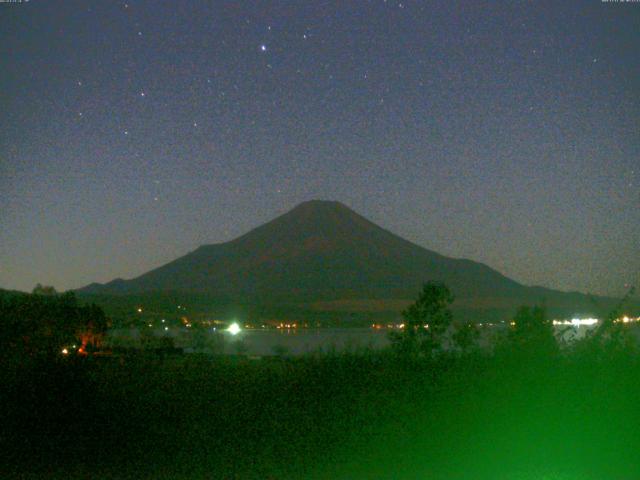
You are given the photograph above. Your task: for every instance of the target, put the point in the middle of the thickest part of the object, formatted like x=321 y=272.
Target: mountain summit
x=322 y=251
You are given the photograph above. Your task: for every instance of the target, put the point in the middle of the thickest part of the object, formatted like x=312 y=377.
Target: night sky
x=504 y=132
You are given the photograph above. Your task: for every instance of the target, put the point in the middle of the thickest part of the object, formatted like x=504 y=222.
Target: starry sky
x=504 y=132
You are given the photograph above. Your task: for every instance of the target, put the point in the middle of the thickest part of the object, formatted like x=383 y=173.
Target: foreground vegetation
x=527 y=409
x=367 y=415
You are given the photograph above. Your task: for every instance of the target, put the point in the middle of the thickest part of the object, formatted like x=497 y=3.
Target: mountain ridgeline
x=325 y=256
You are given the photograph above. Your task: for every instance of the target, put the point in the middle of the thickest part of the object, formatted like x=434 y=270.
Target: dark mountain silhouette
x=325 y=255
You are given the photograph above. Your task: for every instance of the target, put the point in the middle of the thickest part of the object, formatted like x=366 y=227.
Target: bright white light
x=234 y=329
x=65 y=351
x=586 y=321
x=577 y=322
x=166 y=329
x=263 y=48
x=139 y=309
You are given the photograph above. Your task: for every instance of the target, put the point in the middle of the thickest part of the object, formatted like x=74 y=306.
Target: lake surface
x=258 y=342
x=297 y=342
x=291 y=342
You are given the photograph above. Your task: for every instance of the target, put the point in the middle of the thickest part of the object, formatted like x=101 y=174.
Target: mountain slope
x=323 y=251
x=319 y=250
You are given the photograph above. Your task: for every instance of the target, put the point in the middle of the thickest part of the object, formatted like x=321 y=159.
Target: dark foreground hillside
x=343 y=417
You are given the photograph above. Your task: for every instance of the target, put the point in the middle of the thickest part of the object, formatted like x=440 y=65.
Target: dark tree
x=425 y=321
x=91 y=326
x=532 y=332
x=466 y=336
x=38 y=323
x=40 y=289
x=613 y=335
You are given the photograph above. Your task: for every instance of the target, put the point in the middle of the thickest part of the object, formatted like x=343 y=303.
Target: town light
x=234 y=328
x=577 y=322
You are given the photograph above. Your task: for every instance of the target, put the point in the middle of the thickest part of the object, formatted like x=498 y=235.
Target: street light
x=234 y=328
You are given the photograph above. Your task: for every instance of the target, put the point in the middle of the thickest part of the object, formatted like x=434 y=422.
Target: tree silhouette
x=40 y=289
x=466 y=336
x=425 y=321
x=45 y=323
x=532 y=332
x=611 y=334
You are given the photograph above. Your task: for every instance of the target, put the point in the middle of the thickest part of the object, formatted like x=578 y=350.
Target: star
x=195 y=124
x=142 y=94
x=126 y=132
x=79 y=83
x=139 y=34
x=263 y=48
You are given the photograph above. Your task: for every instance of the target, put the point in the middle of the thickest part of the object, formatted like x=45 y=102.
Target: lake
x=264 y=342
